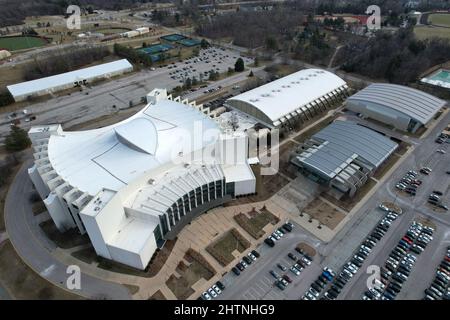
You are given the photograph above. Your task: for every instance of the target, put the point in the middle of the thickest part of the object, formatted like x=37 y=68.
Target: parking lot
x=256 y=282
x=211 y=59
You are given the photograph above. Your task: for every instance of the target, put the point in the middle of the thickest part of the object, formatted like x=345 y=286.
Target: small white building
x=48 y=85
x=131 y=34
x=4 y=54
x=132 y=185
x=143 y=30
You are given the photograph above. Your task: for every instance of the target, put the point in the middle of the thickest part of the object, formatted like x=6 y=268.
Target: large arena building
x=343 y=155
x=132 y=185
x=293 y=99
x=401 y=107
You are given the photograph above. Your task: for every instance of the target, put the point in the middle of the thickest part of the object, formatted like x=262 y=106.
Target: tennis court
x=189 y=42
x=157 y=48
x=173 y=37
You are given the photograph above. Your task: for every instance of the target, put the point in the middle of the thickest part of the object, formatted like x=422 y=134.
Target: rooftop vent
x=254 y=100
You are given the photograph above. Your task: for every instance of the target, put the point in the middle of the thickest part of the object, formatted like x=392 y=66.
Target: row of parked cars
x=319 y=285
x=442 y=138
x=352 y=266
x=400 y=262
x=278 y=234
x=299 y=264
x=213 y=292
x=409 y=183
x=435 y=199
x=440 y=287
x=245 y=262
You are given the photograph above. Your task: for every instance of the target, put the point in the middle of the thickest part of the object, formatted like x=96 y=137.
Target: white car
x=306 y=261
x=212 y=292
x=251 y=256
x=216 y=289
x=206 y=296
x=441 y=151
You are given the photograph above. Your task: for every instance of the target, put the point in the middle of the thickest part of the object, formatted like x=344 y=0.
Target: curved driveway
x=28 y=242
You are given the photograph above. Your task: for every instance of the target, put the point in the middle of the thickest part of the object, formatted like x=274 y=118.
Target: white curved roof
x=68 y=78
x=113 y=156
x=283 y=96
x=414 y=103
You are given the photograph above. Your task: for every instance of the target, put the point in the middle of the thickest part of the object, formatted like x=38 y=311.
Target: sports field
x=173 y=37
x=427 y=32
x=439 y=19
x=19 y=43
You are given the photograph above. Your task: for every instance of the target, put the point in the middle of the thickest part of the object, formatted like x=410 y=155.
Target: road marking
x=46 y=272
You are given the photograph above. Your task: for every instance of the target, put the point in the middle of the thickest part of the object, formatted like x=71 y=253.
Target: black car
x=287 y=227
x=240 y=267
x=269 y=242
x=320 y=283
x=299 y=250
x=247 y=260
x=220 y=285
x=316 y=287
x=336 y=288
x=256 y=253
x=356 y=262
x=323 y=279
x=236 y=271
x=292 y=256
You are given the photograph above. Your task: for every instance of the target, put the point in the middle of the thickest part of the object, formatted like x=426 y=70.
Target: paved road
x=28 y=244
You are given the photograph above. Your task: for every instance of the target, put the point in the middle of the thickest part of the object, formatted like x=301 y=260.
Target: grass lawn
x=439 y=19
x=425 y=32
x=23 y=283
x=222 y=249
x=19 y=43
x=255 y=221
x=189 y=275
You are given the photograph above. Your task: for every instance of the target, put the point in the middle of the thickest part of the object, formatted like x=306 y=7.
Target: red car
x=447 y=258
x=407 y=239
x=286 y=277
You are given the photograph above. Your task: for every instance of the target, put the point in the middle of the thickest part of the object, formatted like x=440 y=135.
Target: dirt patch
x=254 y=221
x=190 y=272
x=23 y=283
x=223 y=248
x=310 y=251
x=325 y=213
x=66 y=240
x=158 y=295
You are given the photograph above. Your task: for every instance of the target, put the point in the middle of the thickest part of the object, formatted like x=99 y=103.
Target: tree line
x=397 y=57
x=64 y=60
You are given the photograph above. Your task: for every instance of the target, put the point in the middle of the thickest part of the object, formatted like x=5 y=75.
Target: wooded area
x=397 y=57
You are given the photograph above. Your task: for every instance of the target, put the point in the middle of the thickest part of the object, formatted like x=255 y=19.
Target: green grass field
x=439 y=19
x=424 y=32
x=19 y=43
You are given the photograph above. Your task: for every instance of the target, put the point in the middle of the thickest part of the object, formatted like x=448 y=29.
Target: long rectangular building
x=48 y=85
